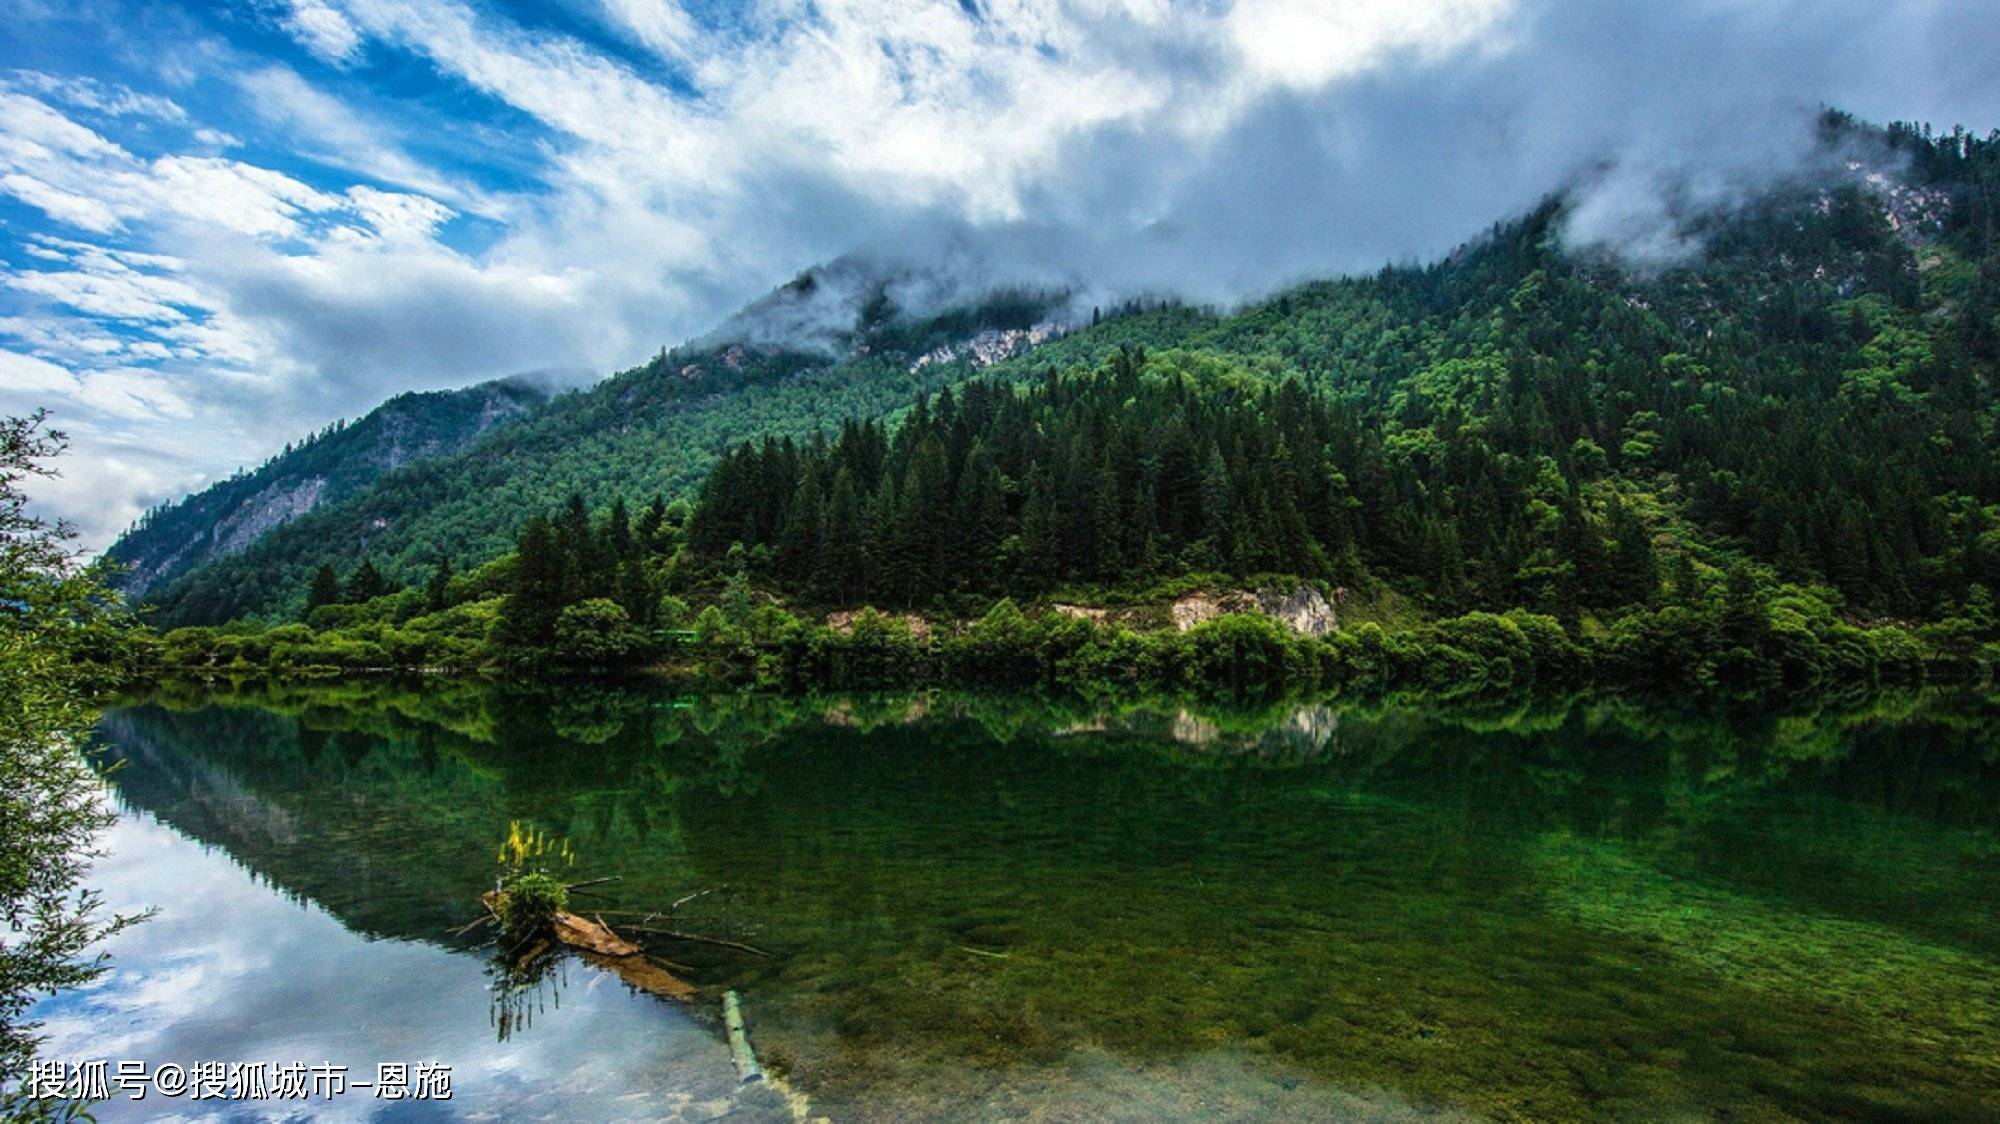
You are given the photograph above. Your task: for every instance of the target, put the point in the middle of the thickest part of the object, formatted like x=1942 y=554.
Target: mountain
x=652 y=430
x=323 y=469
x=1811 y=388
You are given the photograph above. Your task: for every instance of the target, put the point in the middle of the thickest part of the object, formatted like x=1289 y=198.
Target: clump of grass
x=529 y=896
x=529 y=901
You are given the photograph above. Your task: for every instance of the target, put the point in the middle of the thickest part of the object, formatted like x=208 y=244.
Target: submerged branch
x=677 y=935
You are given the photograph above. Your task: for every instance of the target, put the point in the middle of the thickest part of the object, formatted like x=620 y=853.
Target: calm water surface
x=1004 y=907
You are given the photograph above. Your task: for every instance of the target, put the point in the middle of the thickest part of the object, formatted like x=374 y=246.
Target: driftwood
x=601 y=946
x=646 y=976
x=681 y=901
x=533 y=954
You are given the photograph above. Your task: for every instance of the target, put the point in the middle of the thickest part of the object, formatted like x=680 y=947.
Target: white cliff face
x=1304 y=610
x=1913 y=212
x=987 y=348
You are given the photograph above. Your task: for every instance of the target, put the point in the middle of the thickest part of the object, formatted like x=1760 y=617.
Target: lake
x=1006 y=906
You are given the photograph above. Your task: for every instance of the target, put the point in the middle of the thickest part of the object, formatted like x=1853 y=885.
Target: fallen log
x=591 y=936
x=603 y=947
x=644 y=975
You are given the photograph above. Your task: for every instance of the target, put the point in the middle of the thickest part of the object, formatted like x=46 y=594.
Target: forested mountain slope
x=649 y=431
x=1514 y=427
x=1519 y=424
x=323 y=469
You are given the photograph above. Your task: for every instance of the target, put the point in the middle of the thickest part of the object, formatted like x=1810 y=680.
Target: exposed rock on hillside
x=1303 y=610
x=227 y=518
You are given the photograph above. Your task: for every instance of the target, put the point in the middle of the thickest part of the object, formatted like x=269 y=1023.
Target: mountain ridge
x=1864 y=272
x=229 y=516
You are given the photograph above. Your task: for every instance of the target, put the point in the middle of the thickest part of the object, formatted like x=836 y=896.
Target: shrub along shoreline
x=1740 y=641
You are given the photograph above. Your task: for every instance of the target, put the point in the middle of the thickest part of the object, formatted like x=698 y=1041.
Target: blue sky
x=222 y=225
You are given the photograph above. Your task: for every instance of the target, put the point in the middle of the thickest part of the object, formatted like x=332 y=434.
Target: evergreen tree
x=437 y=591
x=528 y=615
x=366 y=584
x=325 y=589
x=1634 y=568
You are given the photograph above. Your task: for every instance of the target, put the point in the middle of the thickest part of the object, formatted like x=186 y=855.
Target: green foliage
x=1775 y=465
x=528 y=902
x=596 y=633
x=61 y=638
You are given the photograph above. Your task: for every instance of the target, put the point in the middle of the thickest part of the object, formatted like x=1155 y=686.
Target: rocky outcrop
x=273 y=506
x=1303 y=609
x=843 y=622
x=232 y=515
x=988 y=347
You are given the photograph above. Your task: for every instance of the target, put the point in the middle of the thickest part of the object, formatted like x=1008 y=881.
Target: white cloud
x=322 y=30
x=25 y=374
x=63 y=206
x=131 y=393
x=236 y=196
x=662 y=25
x=1215 y=150
x=398 y=216
x=328 y=129
x=1305 y=44
x=92 y=94
x=30 y=129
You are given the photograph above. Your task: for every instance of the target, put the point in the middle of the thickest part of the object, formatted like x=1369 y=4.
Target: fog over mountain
x=300 y=208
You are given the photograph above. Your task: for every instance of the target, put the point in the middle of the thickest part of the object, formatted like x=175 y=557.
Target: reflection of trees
x=397 y=789
x=872 y=840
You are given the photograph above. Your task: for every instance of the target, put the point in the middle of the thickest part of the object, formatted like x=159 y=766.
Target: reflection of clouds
x=229 y=970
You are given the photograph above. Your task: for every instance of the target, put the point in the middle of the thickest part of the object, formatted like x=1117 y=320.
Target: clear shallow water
x=1003 y=907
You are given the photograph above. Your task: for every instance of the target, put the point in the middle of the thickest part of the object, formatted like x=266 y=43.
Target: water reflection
x=231 y=971
x=1012 y=906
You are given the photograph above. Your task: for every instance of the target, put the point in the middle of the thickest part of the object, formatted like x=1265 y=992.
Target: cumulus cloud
x=678 y=167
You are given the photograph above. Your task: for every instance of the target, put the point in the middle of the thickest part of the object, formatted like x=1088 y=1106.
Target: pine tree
x=1744 y=621
x=1039 y=538
x=1217 y=502
x=841 y=573
x=367 y=583
x=618 y=540
x=1634 y=568
x=325 y=590
x=528 y=615
x=437 y=591
x=799 y=545
x=1684 y=579
x=652 y=523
